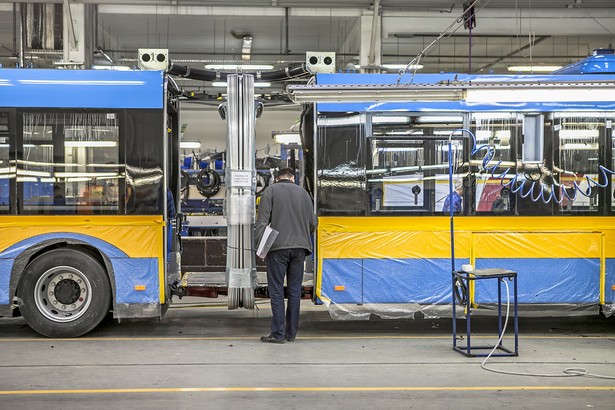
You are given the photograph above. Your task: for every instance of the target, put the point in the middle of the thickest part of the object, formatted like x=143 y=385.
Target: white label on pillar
x=241 y=179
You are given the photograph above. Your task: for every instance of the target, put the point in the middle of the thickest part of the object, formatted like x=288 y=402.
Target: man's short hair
x=286 y=173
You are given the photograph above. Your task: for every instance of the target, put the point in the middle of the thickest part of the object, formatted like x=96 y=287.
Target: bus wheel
x=65 y=293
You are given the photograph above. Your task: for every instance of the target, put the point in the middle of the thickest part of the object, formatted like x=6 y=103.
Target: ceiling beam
x=554 y=22
x=512 y=53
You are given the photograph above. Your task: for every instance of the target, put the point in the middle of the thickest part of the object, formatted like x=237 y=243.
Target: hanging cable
x=568 y=372
x=447 y=32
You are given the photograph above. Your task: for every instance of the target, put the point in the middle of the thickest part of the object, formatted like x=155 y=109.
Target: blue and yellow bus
x=532 y=163
x=88 y=177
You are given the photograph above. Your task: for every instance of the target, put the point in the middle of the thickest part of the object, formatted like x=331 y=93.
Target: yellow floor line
x=306 y=338
x=301 y=389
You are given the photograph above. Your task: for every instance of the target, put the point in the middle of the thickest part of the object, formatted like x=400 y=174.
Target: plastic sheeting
x=239 y=210
x=397 y=267
x=132 y=245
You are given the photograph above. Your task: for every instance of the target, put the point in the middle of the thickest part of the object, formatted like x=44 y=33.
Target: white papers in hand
x=266 y=242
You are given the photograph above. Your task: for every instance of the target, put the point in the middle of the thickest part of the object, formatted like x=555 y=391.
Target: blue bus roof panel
x=34 y=88
x=597 y=64
x=457 y=106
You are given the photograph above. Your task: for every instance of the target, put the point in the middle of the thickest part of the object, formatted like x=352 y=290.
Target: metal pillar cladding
x=240 y=181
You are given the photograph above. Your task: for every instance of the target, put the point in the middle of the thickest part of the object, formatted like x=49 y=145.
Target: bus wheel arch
x=64 y=290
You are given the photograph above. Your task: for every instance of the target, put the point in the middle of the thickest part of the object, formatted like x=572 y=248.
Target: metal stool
x=462 y=279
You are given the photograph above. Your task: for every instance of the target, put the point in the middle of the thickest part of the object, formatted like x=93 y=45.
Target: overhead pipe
x=286 y=26
x=22 y=34
x=15 y=29
x=374 y=34
x=291 y=71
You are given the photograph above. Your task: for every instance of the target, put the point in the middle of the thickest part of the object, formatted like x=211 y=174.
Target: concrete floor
x=204 y=356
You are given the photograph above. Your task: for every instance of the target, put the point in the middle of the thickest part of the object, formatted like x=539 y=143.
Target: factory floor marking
x=302 y=389
x=301 y=338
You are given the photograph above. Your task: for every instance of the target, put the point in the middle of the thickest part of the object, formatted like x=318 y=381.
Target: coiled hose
x=208 y=182
x=519 y=185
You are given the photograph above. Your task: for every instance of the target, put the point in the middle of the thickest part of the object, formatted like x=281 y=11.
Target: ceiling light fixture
x=224 y=84
x=286 y=137
x=579 y=134
x=112 y=67
x=190 y=144
x=244 y=67
x=402 y=66
x=89 y=144
x=534 y=68
x=395 y=66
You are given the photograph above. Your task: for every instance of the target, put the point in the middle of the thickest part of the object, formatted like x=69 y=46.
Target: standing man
x=289 y=210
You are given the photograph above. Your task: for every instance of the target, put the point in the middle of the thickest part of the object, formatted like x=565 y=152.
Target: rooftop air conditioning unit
x=153 y=58
x=320 y=62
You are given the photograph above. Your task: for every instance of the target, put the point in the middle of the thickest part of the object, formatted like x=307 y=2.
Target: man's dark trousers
x=279 y=263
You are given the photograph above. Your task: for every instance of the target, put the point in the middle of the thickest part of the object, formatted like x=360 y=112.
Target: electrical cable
x=447 y=31
x=261 y=184
x=461 y=290
x=208 y=182
x=184 y=185
x=236 y=247
x=568 y=372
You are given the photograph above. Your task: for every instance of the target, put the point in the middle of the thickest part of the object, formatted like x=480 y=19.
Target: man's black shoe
x=290 y=339
x=271 y=339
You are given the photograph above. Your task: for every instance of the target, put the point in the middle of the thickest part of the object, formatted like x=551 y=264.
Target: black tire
x=65 y=293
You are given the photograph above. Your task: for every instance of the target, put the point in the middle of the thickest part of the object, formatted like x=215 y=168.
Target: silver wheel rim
x=63 y=294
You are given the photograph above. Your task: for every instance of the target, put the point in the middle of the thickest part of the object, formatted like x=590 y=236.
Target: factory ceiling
x=280 y=32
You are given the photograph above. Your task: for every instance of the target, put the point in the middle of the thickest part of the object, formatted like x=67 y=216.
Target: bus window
x=501 y=133
x=341 y=164
x=408 y=168
x=5 y=170
x=70 y=163
x=144 y=162
x=35 y=170
x=92 y=146
x=579 y=138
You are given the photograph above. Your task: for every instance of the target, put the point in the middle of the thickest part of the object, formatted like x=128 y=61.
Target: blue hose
x=517 y=185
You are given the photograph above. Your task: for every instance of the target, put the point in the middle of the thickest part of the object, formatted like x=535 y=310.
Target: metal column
x=240 y=180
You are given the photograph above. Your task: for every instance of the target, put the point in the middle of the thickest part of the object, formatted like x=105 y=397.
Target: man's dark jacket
x=289 y=209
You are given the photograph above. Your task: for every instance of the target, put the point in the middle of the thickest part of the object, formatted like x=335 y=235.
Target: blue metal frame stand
x=462 y=279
